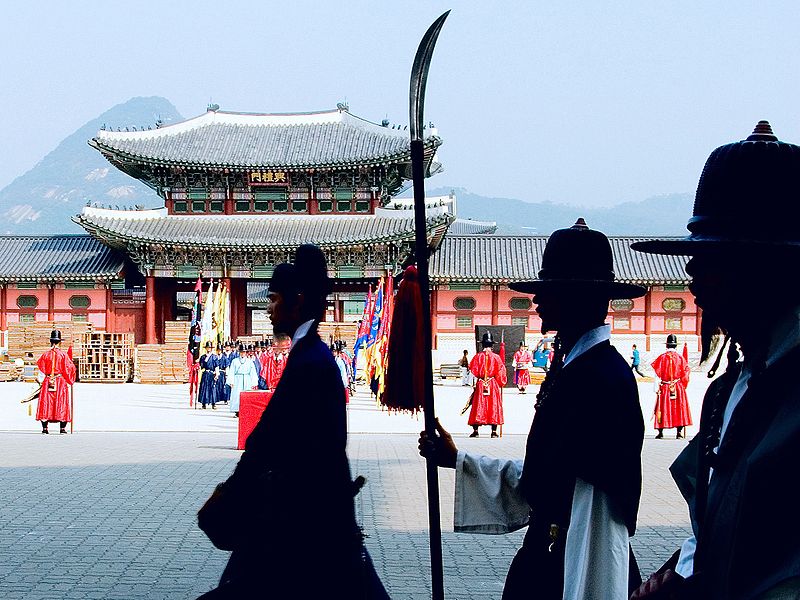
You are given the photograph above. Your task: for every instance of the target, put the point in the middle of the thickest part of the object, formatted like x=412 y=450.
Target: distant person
x=466 y=375
x=636 y=361
x=672 y=403
x=242 y=378
x=56 y=374
x=287 y=510
x=522 y=364
x=486 y=401
x=209 y=375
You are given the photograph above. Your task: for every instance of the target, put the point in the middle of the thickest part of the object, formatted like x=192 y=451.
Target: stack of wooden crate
x=173 y=358
x=164 y=363
x=34 y=338
x=107 y=357
x=148 y=363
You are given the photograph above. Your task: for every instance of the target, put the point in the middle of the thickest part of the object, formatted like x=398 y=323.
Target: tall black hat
x=575 y=260
x=55 y=336
x=672 y=341
x=487 y=341
x=209 y=345
x=747 y=200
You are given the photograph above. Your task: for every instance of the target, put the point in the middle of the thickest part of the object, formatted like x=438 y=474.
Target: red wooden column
x=109 y=309
x=648 y=313
x=337 y=310
x=495 y=304
x=3 y=308
x=150 y=310
x=698 y=327
x=51 y=301
x=434 y=315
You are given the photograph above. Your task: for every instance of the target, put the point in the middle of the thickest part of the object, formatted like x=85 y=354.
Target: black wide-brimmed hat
x=577 y=260
x=55 y=336
x=747 y=200
x=672 y=341
x=308 y=274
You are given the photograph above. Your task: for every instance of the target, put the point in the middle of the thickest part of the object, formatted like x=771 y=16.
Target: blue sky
x=588 y=103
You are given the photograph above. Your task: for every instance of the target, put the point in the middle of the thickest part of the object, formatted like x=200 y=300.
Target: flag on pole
x=207 y=321
x=193 y=347
x=375 y=322
x=366 y=319
x=226 y=322
x=382 y=354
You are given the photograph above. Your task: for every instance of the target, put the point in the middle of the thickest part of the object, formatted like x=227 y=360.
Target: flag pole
x=419 y=76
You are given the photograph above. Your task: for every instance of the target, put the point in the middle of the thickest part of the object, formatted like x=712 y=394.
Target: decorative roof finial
x=580 y=224
x=762 y=133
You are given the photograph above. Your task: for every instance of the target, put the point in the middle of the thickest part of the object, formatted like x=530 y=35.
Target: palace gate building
x=241 y=191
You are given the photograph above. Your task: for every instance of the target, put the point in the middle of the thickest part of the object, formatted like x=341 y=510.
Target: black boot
x=679 y=435
x=494 y=431
x=44 y=428
x=474 y=431
x=660 y=434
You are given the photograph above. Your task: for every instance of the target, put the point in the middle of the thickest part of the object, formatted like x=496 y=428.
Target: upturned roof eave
x=432 y=142
x=122 y=240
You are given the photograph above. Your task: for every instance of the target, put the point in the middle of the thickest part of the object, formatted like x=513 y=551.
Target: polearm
x=419 y=77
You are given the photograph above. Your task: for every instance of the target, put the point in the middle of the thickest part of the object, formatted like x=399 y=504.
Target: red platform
x=251 y=405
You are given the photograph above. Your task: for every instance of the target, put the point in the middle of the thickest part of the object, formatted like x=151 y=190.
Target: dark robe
x=563 y=445
x=746 y=519
x=222 y=390
x=288 y=505
x=208 y=387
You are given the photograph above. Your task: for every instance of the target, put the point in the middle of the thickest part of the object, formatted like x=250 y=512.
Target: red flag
x=503 y=346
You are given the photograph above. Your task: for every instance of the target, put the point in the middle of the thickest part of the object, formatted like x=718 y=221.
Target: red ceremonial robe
x=489 y=370
x=523 y=360
x=263 y=367
x=672 y=405
x=54 y=406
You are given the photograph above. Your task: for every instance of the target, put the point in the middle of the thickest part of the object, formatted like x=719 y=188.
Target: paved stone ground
x=111 y=515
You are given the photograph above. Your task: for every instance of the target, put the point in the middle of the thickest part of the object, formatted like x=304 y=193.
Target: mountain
x=44 y=199
x=659 y=215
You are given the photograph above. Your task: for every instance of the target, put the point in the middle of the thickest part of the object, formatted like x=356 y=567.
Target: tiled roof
x=501 y=259
x=470 y=227
x=241 y=141
x=120 y=228
x=51 y=258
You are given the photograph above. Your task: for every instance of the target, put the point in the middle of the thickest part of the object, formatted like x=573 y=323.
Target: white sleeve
x=596 y=553
x=488 y=497
x=685 y=566
x=40 y=377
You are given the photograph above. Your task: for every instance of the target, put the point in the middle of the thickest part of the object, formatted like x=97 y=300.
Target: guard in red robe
x=522 y=364
x=487 y=398
x=57 y=374
x=672 y=405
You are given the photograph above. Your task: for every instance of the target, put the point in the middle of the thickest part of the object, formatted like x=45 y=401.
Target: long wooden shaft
x=421 y=251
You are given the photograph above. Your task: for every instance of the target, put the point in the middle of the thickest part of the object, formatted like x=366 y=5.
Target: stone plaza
x=110 y=511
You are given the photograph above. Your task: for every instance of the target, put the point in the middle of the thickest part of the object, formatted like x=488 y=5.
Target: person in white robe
x=242 y=376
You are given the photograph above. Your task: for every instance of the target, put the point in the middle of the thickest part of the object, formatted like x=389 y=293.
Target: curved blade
x=419 y=76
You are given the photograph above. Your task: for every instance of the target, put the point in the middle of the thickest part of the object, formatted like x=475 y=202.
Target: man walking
x=737 y=472
x=287 y=510
x=579 y=496
x=56 y=374
x=672 y=404
x=636 y=361
x=522 y=364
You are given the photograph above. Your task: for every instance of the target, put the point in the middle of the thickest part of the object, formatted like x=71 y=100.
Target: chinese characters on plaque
x=268 y=177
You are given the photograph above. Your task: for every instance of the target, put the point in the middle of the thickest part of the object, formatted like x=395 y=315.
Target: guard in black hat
x=743 y=239
x=209 y=375
x=486 y=399
x=56 y=374
x=294 y=465
x=672 y=404
x=569 y=472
